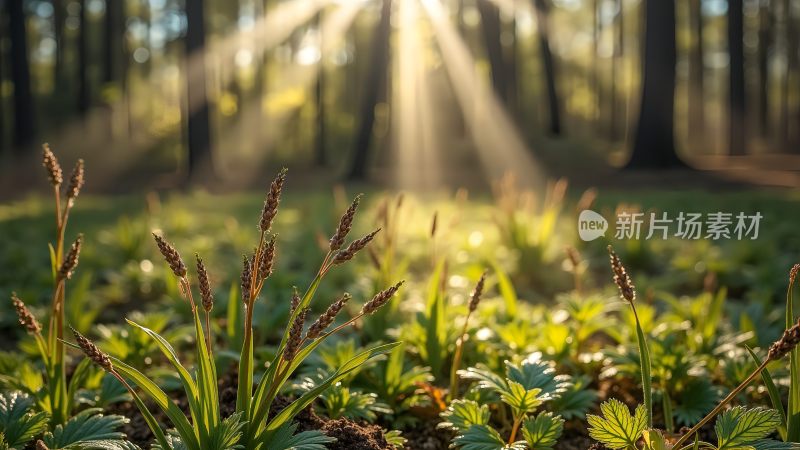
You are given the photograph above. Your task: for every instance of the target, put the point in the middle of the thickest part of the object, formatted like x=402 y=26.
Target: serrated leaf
x=395 y=438
x=739 y=427
x=537 y=374
x=576 y=401
x=462 y=414
x=85 y=429
x=284 y=438
x=543 y=431
x=696 y=399
x=18 y=423
x=617 y=428
x=482 y=437
x=520 y=399
x=771 y=444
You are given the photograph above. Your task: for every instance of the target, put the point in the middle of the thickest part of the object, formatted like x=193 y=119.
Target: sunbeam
x=495 y=136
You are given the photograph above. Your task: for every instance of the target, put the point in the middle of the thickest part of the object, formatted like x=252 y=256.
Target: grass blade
x=774 y=395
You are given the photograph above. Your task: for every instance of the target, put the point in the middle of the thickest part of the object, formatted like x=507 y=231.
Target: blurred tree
x=543 y=29
x=114 y=41
x=696 y=116
x=654 y=144
x=595 y=70
x=198 y=132
x=791 y=41
x=736 y=93
x=84 y=91
x=23 y=131
x=319 y=94
x=58 y=29
x=764 y=45
x=492 y=28
x=376 y=79
x=617 y=63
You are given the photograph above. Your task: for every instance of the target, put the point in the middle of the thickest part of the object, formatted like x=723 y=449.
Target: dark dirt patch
x=425 y=436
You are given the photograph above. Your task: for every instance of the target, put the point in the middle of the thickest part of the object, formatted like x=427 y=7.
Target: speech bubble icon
x=591 y=225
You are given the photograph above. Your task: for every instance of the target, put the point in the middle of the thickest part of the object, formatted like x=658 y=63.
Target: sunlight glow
x=496 y=138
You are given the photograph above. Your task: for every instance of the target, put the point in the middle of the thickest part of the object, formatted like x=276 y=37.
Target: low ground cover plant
x=456 y=357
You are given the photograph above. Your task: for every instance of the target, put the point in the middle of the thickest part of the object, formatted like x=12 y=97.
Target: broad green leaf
x=576 y=401
x=739 y=427
x=86 y=429
x=462 y=414
x=543 y=431
x=520 y=399
x=771 y=444
x=19 y=423
x=654 y=440
x=697 y=398
x=482 y=437
x=617 y=428
x=537 y=374
x=284 y=438
x=395 y=438
x=435 y=348
x=774 y=395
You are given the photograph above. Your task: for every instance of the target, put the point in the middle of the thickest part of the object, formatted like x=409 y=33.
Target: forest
x=399 y=224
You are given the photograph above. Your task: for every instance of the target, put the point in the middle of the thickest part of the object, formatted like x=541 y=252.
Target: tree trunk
x=616 y=63
x=764 y=29
x=736 y=95
x=114 y=45
x=198 y=133
x=319 y=94
x=58 y=29
x=595 y=75
x=20 y=76
x=492 y=28
x=84 y=95
x=654 y=144
x=791 y=67
x=543 y=29
x=696 y=116
x=376 y=78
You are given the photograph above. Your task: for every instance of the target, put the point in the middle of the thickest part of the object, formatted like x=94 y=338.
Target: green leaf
x=86 y=429
x=520 y=399
x=226 y=434
x=771 y=444
x=395 y=438
x=617 y=428
x=18 y=422
x=793 y=406
x=507 y=291
x=284 y=438
x=482 y=437
x=774 y=395
x=697 y=398
x=576 y=400
x=353 y=364
x=435 y=348
x=654 y=440
x=462 y=414
x=537 y=374
x=739 y=427
x=543 y=431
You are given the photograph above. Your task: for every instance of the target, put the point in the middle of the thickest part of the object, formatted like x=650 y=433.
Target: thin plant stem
x=517 y=422
x=722 y=404
x=457 y=359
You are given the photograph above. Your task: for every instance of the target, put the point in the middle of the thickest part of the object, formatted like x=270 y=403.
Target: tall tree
x=543 y=29
x=59 y=11
x=376 y=79
x=654 y=144
x=492 y=29
x=319 y=94
x=84 y=91
x=791 y=38
x=764 y=44
x=20 y=75
x=736 y=95
x=696 y=114
x=114 y=42
x=616 y=64
x=198 y=124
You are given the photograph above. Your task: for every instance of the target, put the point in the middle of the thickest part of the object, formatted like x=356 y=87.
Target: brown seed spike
x=475 y=298
x=26 y=318
x=92 y=352
x=205 y=285
x=786 y=343
x=40 y=445
x=75 y=181
x=246 y=278
x=793 y=273
x=345 y=224
x=623 y=281
x=172 y=256
x=380 y=299
x=271 y=203
x=295 y=336
x=267 y=259
x=71 y=260
x=50 y=162
x=327 y=318
x=347 y=254
x=295 y=301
